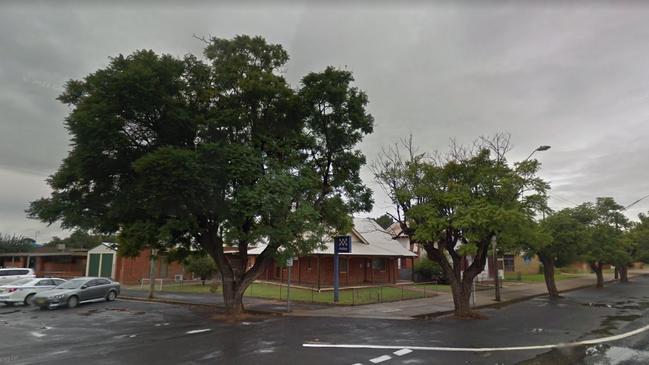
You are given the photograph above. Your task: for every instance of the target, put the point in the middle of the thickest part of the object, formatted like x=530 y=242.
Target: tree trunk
x=597 y=269
x=624 y=274
x=462 y=300
x=548 y=274
x=233 y=298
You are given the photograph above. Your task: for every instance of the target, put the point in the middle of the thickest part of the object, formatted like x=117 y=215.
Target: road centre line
x=379 y=359
x=402 y=352
x=483 y=349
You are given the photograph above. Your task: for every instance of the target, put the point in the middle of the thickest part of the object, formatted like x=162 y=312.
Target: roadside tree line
x=205 y=153
x=459 y=204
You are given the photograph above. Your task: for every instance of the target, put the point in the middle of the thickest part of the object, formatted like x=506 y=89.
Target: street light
x=540 y=148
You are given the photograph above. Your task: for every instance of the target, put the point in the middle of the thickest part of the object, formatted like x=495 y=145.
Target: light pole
x=494 y=239
x=538 y=149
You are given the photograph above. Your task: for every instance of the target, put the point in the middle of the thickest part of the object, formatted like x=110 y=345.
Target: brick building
x=374 y=259
x=103 y=261
x=57 y=261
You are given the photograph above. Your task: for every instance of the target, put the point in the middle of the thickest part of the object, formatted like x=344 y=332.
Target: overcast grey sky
x=575 y=77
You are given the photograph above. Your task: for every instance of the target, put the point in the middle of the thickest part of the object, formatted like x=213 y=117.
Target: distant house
x=374 y=259
x=57 y=261
x=103 y=261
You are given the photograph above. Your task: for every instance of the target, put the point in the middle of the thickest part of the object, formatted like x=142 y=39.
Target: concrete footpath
x=405 y=310
x=443 y=303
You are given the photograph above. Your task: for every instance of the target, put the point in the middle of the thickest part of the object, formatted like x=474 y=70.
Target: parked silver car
x=76 y=291
x=24 y=290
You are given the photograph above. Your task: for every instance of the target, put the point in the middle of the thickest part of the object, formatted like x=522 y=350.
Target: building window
x=378 y=264
x=509 y=263
x=308 y=263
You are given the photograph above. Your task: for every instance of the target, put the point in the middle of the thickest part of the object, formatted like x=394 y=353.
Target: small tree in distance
x=385 y=221
x=202 y=266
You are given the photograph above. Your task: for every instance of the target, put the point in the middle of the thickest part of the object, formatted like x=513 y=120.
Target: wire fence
x=310 y=293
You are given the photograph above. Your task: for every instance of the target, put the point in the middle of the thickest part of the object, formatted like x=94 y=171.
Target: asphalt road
x=125 y=332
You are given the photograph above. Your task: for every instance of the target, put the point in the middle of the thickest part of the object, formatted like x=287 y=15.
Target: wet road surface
x=125 y=332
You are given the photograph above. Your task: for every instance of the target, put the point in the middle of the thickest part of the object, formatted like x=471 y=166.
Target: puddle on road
x=603 y=354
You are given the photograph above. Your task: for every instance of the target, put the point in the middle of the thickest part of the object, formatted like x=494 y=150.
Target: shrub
x=427 y=269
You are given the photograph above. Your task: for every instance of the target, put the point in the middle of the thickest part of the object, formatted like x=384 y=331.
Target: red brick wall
x=18 y=262
x=130 y=270
x=359 y=271
x=76 y=265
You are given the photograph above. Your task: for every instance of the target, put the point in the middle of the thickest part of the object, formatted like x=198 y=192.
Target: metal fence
x=310 y=293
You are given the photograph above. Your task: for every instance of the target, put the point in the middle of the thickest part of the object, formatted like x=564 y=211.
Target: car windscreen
x=72 y=284
x=13 y=272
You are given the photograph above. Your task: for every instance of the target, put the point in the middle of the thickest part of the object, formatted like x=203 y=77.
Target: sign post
x=289 y=264
x=342 y=244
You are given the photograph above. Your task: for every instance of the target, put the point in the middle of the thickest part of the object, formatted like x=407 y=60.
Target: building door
x=106 y=265
x=93 y=266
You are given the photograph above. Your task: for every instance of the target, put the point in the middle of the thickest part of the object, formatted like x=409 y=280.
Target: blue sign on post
x=342 y=244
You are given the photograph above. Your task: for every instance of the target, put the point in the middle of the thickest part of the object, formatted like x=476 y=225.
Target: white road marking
x=198 y=331
x=38 y=334
x=484 y=349
x=379 y=359
x=402 y=352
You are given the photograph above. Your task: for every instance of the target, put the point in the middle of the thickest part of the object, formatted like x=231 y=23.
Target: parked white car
x=23 y=290
x=7 y=276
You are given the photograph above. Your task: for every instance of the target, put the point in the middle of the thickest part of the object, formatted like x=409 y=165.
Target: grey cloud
x=573 y=76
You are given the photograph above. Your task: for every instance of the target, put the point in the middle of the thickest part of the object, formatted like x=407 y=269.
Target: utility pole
x=494 y=242
x=289 y=263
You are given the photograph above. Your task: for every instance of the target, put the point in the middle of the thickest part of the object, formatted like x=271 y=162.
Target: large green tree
x=638 y=237
x=558 y=242
x=457 y=206
x=605 y=243
x=215 y=151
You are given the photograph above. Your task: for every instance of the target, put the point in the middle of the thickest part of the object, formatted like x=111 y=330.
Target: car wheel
x=29 y=300
x=73 y=302
x=111 y=296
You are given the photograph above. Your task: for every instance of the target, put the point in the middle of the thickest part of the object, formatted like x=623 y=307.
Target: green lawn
x=558 y=276
x=347 y=296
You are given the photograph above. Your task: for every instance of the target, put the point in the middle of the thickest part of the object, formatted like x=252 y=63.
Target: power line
x=636 y=202
x=563 y=199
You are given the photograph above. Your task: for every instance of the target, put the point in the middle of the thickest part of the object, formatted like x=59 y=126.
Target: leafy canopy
x=211 y=151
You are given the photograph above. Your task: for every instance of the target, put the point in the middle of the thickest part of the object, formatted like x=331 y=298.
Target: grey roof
x=368 y=239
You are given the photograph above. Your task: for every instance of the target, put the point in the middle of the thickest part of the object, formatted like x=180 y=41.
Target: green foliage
x=81 y=239
x=428 y=268
x=638 y=238
x=212 y=152
x=385 y=221
x=13 y=243
x=604 y=222
x=562 y=237
x=455 y=206
x=202 y=266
